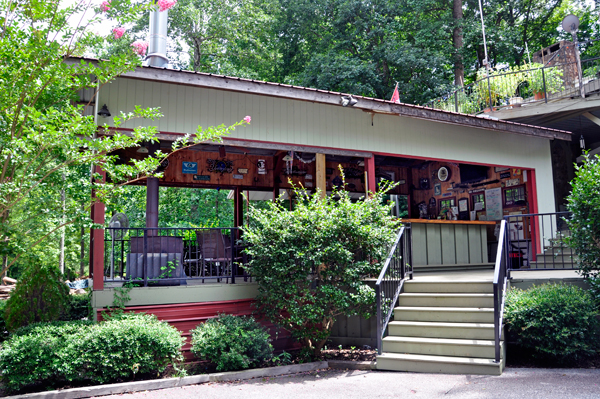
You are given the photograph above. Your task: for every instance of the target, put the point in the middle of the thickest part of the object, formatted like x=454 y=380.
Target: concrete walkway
x=514 y=383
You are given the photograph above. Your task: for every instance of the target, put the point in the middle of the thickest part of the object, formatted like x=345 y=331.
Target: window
x=476 y=198
x=514 y=196
x=447 y=203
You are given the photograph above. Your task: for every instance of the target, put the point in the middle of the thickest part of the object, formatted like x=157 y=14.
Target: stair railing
x=396 y=269
x=501 y=277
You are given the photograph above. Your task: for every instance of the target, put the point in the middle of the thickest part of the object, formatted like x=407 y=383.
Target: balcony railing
x=173 y=256
x=557 y=79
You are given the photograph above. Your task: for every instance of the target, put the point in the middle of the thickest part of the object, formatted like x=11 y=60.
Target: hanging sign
x=202 y=177
x=189 y=167
x=262 y=167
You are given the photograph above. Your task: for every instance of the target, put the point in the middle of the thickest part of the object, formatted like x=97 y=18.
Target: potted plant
x=537 y=74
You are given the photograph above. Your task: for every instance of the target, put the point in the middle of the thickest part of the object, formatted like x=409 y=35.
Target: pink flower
x=247 y=119
x=164 y=5
x=105 y=6
x=118 y=32
x=139 y=46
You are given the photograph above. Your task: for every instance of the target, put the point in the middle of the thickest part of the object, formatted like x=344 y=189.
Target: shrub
x=35 y=354
x=232 y=342
x=40 y=296
x=311 y=261
x=79 y=351
x=554 y=321
x=584 y=203
x=79 y=307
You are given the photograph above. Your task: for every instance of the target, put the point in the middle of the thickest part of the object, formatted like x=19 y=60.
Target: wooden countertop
x=440 y=221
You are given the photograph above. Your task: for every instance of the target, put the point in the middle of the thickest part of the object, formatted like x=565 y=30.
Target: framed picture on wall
x=437 y=189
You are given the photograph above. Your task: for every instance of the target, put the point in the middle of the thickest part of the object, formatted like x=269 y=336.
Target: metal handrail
x=396 y=274
x=500 y=277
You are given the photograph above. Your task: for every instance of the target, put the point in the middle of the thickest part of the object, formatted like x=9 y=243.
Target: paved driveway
x=514 y=383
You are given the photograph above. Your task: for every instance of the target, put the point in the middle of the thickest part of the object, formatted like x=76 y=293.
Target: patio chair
x=214 y=251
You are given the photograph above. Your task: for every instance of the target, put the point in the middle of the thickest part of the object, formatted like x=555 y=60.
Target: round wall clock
x=443 y=173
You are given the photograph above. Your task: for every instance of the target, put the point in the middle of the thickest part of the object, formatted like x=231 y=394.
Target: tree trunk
x=457 y=41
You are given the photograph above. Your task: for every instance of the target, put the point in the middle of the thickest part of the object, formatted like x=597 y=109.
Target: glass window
x=476 y=198
x=514 y=196
x=447 y=203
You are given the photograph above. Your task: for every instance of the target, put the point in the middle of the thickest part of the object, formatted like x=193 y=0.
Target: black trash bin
x=516 y=259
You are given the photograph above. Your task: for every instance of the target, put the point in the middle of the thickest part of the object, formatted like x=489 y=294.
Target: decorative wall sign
x=353 y=173
x=220 y=166
x=295 y=171
x=243 y=171
x=163 y=165
x=238 y=177
x=189 y=167
x=505 y=175
x=476 y=190
x=446 y=194
x=262 y=167
x=437 y=189
x=516 y=172
x=337 y=181
x=424 y=183
x=493 y=204
x=500 y=169
x=202 y=177
x=443 y=173
x=513 y=182
x=308 y=184
x=308 y=177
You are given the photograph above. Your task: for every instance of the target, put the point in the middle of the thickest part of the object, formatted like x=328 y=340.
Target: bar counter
x=449 y=244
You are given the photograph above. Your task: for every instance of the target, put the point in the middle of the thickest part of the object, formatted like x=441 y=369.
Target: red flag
x=396 y=95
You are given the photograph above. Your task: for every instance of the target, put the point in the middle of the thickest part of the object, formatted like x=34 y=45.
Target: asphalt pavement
x=513 y=383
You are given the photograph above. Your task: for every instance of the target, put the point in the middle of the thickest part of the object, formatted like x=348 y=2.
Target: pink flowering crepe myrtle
x=118 y=32
x=105 y=6
x=164 y=5
x=247 y=119
x=140 y=46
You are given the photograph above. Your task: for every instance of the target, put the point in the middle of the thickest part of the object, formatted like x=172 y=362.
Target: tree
x=46 y=143
x=309 y=262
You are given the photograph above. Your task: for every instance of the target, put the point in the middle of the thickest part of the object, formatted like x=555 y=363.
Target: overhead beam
x=592 y=117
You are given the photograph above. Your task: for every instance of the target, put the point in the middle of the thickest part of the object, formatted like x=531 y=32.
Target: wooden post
x=536 y=245
x=97 y=239
x=370 y=170
x=321 y=179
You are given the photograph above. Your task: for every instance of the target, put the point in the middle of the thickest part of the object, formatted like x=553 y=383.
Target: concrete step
x=458 y=286
x=446 y=299
x=485 y=349
x=438 y=364
x=428 y=329
x=441 y=314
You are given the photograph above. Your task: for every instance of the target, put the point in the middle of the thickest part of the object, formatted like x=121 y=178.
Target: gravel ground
x=514 y=383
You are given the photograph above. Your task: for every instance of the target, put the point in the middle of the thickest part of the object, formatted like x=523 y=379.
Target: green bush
x=232 y=342
x=79 y=307
x=79 y=351
x=40 y=296
x=311 y=261
x=584 y=203
x=554 y=321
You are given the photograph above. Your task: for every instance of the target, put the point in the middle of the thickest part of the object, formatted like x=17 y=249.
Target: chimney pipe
x=157 y=47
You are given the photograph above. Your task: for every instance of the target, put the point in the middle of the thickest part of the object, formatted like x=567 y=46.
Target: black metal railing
x=501 y=277
x=397 y=268
x=557 y=78
x=173 y=256
x=537 y=241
